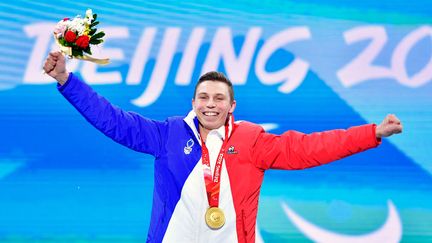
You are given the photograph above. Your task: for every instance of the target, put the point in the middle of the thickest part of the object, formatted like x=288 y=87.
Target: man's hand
x=55 y=67
x=389 y=126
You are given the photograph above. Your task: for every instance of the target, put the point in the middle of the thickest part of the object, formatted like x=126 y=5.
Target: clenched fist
x=389 y=126
x=55 y=67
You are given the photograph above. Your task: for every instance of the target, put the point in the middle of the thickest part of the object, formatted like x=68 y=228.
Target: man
x=209 y=169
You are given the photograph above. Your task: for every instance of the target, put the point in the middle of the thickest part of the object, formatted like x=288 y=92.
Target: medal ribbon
x=213 y=184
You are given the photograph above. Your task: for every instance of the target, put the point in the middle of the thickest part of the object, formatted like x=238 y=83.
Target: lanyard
x=213 y=184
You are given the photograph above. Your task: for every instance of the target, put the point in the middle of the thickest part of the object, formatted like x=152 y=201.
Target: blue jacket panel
x=165 y=140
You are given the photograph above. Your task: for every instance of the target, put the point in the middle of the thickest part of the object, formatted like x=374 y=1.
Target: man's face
x=212 y=104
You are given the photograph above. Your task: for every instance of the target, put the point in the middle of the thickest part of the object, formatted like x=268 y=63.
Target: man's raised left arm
x=295 y=150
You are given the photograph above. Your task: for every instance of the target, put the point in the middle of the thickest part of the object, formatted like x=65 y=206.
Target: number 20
x=362 y=69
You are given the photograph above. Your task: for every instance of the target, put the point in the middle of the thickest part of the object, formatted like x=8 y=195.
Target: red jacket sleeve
x=294 y=150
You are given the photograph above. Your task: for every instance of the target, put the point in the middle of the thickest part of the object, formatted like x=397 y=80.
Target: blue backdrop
x=308 y=66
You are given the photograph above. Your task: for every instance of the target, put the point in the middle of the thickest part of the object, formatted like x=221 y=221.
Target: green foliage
x=93 y=24
x=77 y=52
x=95 y=42
x=95 y=37
x=87 y=50
x=92 y=32
x=98 y=35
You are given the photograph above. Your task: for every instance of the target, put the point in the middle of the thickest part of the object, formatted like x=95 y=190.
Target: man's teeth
x=210 y=113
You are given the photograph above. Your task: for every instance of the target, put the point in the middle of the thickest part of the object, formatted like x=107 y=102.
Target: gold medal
x=214 y=218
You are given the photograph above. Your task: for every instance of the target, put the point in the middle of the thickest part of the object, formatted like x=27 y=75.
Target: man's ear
x=193 y=104
x=233 y=106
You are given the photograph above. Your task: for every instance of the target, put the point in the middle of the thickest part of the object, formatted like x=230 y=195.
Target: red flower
x=65 y=19
x=70 y=36
x=83 y=41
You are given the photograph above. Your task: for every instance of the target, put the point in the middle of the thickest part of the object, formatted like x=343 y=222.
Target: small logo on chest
x=231 y=150
x=188 y=148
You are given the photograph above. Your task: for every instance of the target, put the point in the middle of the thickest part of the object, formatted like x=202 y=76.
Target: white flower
x=60 y=28
x=89 y=16
x=77 y=25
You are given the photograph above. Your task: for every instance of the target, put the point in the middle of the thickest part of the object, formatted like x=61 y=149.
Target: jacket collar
x=192 y=121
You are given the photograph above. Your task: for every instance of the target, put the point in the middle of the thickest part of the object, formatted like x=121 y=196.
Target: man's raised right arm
x=127 y=128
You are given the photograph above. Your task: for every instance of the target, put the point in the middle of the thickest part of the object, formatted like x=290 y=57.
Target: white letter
x=161 y=69
x=43 y=33
x=361 y=68
x=187 y=64
x=295 y=72
x=222 y=48
x=399 y=59
x=141 y=56
x=89 y=72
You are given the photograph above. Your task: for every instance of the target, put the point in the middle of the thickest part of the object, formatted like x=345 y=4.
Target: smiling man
x=208 y=168
x=213 y=101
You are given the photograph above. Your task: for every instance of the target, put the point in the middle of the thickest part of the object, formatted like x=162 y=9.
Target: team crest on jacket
x=231 y=150
x=188 y=148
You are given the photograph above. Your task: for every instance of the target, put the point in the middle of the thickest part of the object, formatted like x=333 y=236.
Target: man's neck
x=203 y=133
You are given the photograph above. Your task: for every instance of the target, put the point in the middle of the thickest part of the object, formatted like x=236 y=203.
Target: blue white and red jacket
x=180 y=199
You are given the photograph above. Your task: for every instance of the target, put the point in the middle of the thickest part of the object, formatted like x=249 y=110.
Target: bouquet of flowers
x=74 y=36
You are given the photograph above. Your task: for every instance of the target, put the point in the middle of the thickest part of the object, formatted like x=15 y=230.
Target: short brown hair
x=218 y=77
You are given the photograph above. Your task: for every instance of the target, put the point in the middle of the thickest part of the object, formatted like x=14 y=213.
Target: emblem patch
x=188 y=148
